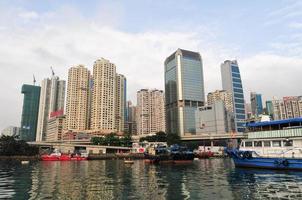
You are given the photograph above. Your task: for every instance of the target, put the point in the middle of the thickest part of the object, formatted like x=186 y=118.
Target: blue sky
x=264 y=36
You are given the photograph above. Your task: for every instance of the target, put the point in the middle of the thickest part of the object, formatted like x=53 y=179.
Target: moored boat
x=252 y=160
x=57 y=156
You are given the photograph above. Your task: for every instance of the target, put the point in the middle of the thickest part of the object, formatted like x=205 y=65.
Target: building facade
x=103 y=116
x=288 y=107
x=150 y=111
x=52 y=99
x=212 y=119
x=11 y=131
x=55 y=127
x=221 y=95
x=120 y=108
x=231 y=82
x=130 y=124
x=77 y=101
x=256 y=104
x=29 y=118
x=184 y=91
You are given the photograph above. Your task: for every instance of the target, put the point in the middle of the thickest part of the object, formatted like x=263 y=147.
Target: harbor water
x=113 y=179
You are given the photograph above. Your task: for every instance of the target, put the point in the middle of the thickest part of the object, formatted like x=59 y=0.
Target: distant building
x=77 y=102
x=269 y=109
x=221 y=95
x=150 y=111
x=288 y=107
x=55 y=127
x=184 y=91
x=103 y=111
x=256 y=104
x=11 y=131
x=120 y=103
x=30 y=111
x=52 y=98
x=212 y=119
x=130 y=124
x=231 y=82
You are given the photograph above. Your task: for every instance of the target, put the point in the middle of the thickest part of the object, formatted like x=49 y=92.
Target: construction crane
x=34 y=79
x=53 y=73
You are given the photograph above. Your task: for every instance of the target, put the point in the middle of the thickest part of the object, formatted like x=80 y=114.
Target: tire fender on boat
x=285 y=163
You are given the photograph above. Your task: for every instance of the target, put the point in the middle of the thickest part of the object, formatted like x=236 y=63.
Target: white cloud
x=28 y=15
x=64 y=38
x=297 y=25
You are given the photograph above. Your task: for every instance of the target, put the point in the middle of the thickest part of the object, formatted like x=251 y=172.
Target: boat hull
x=264 y=162
x=62 y=158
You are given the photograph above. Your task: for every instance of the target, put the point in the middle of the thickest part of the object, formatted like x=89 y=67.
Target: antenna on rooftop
x=34 y=79
x=53 y=73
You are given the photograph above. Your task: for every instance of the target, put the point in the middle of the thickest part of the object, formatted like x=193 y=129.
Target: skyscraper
x=130 y=126
x=184 y=91
x=120 y=102
x=30 y=110
x=150 y=111
x=231 y=82
x=256 y=104
x=103 y=114
x=52 y=98
x=77 y=99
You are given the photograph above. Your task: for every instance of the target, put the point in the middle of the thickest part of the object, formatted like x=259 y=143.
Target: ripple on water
x=203 y=179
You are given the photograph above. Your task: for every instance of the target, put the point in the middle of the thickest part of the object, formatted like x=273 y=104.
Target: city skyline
x=51 y=35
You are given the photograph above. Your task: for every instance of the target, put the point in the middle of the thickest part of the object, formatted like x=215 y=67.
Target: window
x=237 y=85
x=267 y=143
x=236 y=75
x=238 y=90
x=257 y=143
x=238 y=95
x=288 y=143
x=276 y=143
x=235 y=69
x=248 y=144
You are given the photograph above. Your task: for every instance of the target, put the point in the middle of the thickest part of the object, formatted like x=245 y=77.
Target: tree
x=173 y=138
x=9 y=146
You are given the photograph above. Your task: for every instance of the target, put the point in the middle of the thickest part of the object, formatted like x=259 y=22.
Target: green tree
x=9 y=146
x=173 y=138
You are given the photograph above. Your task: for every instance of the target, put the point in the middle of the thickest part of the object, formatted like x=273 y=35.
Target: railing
x=297 y=132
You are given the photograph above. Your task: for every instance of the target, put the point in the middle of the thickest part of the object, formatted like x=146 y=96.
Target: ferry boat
x=58 y=156
x=273 y=144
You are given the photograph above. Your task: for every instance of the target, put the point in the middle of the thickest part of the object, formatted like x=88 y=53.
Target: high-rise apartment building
x=52 y=98
x=256 y=104
x=221 y=95
x=11 y=131
x=103 y=116
x=30 y=110
x=231 y=82
x=120 y=103
x=55 y=126
x=288 y=107
x=150 y=111
x=77 y=99
x=184 y=91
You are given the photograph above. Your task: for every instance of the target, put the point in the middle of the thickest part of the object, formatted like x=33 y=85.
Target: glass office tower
x=231 y=82
x=184 y=91
x=29 y=118
x=256 y=104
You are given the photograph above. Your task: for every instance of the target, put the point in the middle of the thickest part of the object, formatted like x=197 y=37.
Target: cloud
x=28 y=15
x=296 y=25
x=63 y=38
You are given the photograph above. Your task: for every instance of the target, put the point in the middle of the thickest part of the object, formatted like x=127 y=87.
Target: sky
x=265 y=37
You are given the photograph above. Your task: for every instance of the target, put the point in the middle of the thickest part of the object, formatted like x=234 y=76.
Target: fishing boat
x=58 y=156
x=273 y=144
x=181 y=154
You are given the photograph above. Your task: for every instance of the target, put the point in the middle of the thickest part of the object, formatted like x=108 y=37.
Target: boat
x=58 y=156
x=272 y=144
x=157 y=153
x=163 y=154
x=181 y=154
x=251 y=159
x=128 y=161
x=203 y=152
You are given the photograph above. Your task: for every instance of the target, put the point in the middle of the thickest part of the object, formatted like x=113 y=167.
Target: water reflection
x=204 y=179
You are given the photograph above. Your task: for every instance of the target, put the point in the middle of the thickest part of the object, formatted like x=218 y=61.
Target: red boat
x=57 y=156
